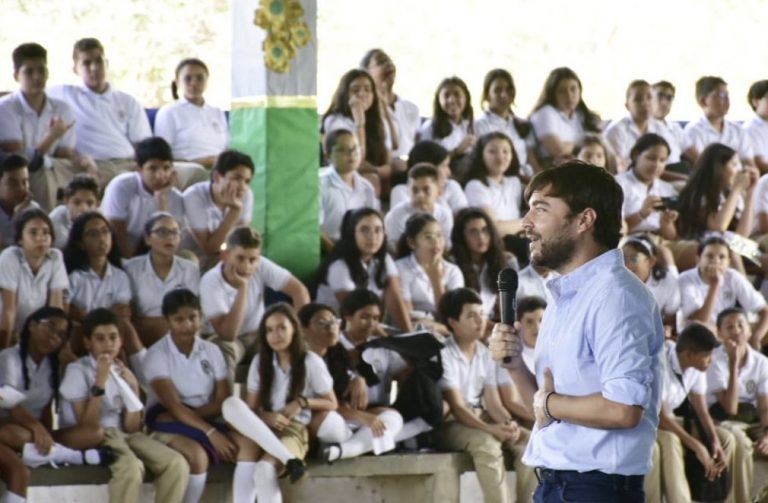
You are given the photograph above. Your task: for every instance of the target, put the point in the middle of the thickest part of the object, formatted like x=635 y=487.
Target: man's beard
x=555 y=252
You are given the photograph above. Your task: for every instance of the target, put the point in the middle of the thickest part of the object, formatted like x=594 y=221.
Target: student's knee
x=128 y=468
x=177 y=467
x=197 y=459
x=484 y=444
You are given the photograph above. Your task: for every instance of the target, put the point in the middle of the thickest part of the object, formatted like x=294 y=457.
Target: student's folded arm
x=8 y=317
x=121 y=235
x=212 y=409
x=323 y=402
x=298 y=293
x=493 y=405
x=168 y=398
x=12 y=146
x=461 y=412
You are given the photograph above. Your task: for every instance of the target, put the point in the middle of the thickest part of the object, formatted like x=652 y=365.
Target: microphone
x=507 y=283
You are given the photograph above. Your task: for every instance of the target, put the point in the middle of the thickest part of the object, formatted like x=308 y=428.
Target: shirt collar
x=572 y=282
x=196 y=346
x=88 y=90
x=27 y=108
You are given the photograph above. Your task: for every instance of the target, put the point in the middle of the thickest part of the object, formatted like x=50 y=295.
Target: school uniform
x=417 y=288
x=458 y=133
x=337 y=197
x=503 y=197
x=39 y=393
x=452 y=195
x=759 y=199
x=757 y=130
x=700 y=133
x=532 y=284
x=126 y=199
x=62 y=224
x=386 y=364
x=89 y=291
x=407 y=121
x=193 y=131
x=339 y=279
x=666 y=291
x=673 y=133
x=394 y=222
x=148 y=290
x=635 y=194
x=318 y=382
x=136 y=450
x=7 y=228
x=31 y=290
x=470 y=377
x=549 y=121
x=489 y=122
x=622 y=135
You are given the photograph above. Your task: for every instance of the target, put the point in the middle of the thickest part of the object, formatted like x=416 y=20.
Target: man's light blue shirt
x=602 y=334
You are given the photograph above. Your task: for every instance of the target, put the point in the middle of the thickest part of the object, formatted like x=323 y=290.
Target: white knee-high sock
x=10 y=497
x=59 y=454
x=363 y=440
x=333 y=429
x=267 y=488
x=412 y=428
x=244 y=482
x=237 y=413
x=195 y=487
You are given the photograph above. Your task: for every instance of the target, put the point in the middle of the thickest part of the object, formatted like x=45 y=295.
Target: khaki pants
x=743 y=470
x=295 y=438
x=137 y=450
x=110 y=168
x=189 y=173
x=652 y=480
x=45 y=183
x=241 y=349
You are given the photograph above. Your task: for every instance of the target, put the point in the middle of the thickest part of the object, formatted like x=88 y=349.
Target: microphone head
x=507 y=280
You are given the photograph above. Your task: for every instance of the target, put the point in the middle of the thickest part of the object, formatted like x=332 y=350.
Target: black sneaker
x=295 y=469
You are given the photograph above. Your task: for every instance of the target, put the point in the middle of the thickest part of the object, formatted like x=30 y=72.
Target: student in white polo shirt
x=713 y=286
x=737 y=386
x=14 y=194
x=712 y=97
x=156 y=273
x=663 y=93
x=757 y=126
x=233 y=302
x=424 y=190
x=424 y=274
x=38 y=126
x=478 y=422
x=341 y=187
x=195 y=130
x=214 y=208
x=80 y=195
x=130 y=198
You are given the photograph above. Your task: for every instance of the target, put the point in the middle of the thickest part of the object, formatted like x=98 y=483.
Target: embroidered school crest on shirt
x=207 y=368
x=751 y=387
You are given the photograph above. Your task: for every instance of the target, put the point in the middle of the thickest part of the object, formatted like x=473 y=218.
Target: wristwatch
x=97 y=390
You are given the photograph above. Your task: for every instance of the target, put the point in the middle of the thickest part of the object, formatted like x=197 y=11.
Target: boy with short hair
x=234 y=290
x=479 y=423
x=38 y=126
x=99 y=390
x=131 y=198
x=713 y=286
x=14 y=194
x=342 y=188
x=757 y=126
x=423 y=185
x=80 y=195
x=712 y=96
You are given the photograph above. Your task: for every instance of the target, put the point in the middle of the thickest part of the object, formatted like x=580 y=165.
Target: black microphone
x=507 y=283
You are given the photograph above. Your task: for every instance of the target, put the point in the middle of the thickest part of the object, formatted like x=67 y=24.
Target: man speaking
x=596 y=392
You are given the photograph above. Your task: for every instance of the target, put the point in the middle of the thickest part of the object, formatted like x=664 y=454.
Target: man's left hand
x=540 y=399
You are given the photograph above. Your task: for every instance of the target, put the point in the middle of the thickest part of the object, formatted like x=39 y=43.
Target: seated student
x=341 y=187
x=80 y=195
x=215 y=207
x=424 y=190
x=430 y=152
x=478 y=423
x=196 y=131
x=663 y=94
x=32 y=274
x=359 y=259
x=643 y=209
x=757 y=126
x=424 y=272
x=156 y=273
x=737 y=387
x=623 y=134
x=234 y=290
x=32 y=368
x=712 y=97
x=356 y=429
x=130 y=198
x=712 y=286
x=188 y=384
x=286 y=383
x=593 y=150
x=39 y=126
x=532 y=282
x=98 y=391
x=14 y=194
x=683 y=378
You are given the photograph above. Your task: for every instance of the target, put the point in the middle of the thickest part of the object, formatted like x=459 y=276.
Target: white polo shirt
x=468 y=377
x=39 y=394
x=386 y=364
x=417 y=288
x=337 y=197
x=666 y=291
x=635 y=193
x=407 y=120
x=126 y=199
x=147 y=289
x=20 y=122
x=451 y=196
x=192 y=131
x=318 y=382
x=752 y=381
x=759 y=198
x=489 y=122
x=531 y=284
x=108 y=124
x=220 y=295
x=394 y=222
x=202 y=214
x=734 y=288
x=673 y=392
x=61 y=225
x=79 y=377
x=757 y=130
x=622 y=135
x=700 y=133
x=32 y=290
x=339 y=279
x=549 y=121
x=450 y=142
x=504 y=198
x=7 y=227
x=194 y=377
x=88 y=290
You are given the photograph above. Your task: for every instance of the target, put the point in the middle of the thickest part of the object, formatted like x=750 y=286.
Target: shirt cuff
x=627 y=392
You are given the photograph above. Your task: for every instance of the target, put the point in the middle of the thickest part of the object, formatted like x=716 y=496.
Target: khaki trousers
x=743 y=471
x=241 y=349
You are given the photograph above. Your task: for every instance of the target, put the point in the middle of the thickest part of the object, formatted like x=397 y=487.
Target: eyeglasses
x=51 y=328
x=97 y=233
x=164 y=232
x=328 y=323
